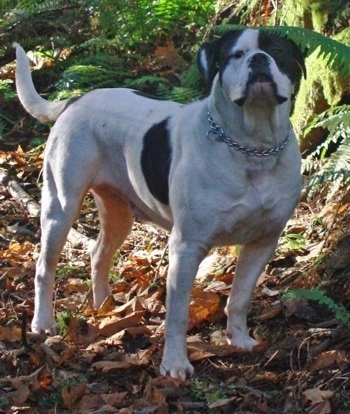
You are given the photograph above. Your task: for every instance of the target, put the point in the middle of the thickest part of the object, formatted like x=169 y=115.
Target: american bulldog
x=219 y=171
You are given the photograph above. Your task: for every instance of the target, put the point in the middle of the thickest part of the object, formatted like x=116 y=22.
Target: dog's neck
x=267 y=124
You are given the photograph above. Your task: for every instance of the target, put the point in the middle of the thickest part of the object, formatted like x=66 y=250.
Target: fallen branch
x=28 y=203
x=17 y=192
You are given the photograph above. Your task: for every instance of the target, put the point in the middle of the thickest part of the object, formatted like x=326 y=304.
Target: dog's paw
x=177 y=368
x=240 y=341
x=44 y=325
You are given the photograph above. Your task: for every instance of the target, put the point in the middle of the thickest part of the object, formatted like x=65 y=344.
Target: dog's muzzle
x=260 y=84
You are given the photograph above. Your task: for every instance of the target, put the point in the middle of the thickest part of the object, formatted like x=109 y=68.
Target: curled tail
x=33 y=103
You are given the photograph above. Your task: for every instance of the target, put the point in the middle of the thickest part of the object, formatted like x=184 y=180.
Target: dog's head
x=253 y=66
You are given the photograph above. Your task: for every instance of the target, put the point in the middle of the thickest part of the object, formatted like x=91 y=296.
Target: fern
x=318 y=296
x=332 y=119
x=143 y=80
x=335 y=169
x=184 y=95
x=336 y=54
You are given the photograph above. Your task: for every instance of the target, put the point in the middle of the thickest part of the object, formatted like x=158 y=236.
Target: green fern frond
x=184 y=95
x=336 y=54
x=331 y=119
x=318 y=296
x=143 y=80
x=335 y=168
x=86 y=77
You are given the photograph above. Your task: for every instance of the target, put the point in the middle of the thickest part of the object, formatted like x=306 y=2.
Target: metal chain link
x=216 y=133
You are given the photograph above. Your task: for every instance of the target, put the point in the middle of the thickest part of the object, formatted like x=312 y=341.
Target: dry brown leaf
x=316 y=396
x=132 y=305
x=107 y=306
x=111 y=325
x=170 y=58
x=10 y=333
x=132 y=331
x=114 y=399
x=322 y=408
x=270 y=313
x=126 y=361
x=19 y=396
x=70 y=395
x=80 y=331
x=106 y=366
x=152 y=303
x=327 y=359
x=203 y=306
x=198 y=355
x=90 y=403
x=222 y=403
x=25 y=385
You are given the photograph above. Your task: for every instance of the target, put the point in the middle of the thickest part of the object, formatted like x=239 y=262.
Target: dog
x=224 y=170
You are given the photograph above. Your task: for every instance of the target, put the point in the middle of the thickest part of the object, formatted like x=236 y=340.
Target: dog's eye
x=238 y=54
x=276 y=51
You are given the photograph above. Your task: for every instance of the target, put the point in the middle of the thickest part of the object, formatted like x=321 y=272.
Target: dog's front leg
x=184 y=259
x=252 y=260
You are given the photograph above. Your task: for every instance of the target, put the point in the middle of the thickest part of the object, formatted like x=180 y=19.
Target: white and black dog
x=224 y=170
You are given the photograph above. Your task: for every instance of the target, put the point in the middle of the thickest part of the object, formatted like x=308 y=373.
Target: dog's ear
x=212 y=55
x=207 y=61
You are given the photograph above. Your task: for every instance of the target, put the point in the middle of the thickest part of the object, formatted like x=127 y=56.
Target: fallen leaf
x=203 y=306
x=270 y=313
x=107 y=306
x=111 y=325
x=10 y=333
x=316 y=396
x=327 y=359
x=322 y=408
x=71 y=394
x=222 y=403
x=114 y=399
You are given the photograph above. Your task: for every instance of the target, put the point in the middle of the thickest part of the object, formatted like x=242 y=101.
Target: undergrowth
x=316 y=295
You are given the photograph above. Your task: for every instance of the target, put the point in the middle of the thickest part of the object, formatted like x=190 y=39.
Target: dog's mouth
x=260 y=87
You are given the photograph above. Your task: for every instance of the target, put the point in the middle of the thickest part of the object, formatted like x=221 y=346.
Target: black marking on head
x=286 y=54
x=156 y=160
x=216 y=54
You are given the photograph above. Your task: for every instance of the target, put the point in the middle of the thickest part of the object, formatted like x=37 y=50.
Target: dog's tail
x=33 y=103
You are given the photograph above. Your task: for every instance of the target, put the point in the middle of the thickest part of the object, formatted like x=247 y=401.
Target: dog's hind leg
x=116 y=220
x=58 y=212
x=252 y=260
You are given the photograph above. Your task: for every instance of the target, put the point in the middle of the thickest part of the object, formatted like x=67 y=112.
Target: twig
x=33 y=208
x=17 y=192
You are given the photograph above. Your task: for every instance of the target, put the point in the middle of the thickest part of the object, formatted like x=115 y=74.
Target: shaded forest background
x=106 y=360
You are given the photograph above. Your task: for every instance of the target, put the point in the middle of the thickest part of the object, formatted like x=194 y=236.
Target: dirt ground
x=106 y=360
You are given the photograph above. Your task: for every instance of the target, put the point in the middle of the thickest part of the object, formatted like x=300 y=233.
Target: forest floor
x=106 y=360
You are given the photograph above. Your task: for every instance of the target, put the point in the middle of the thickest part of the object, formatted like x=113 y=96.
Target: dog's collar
x=216 y=133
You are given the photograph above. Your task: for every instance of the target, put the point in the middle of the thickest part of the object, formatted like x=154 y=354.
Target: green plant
x=63 y=319
x=203 y=393
x=293 y=241
x=334 y=168
x=318 y=296
x=197 y=389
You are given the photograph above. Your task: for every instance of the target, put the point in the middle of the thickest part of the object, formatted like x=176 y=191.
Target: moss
x=322 y=89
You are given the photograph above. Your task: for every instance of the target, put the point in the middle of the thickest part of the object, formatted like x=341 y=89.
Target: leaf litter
x=106 y=360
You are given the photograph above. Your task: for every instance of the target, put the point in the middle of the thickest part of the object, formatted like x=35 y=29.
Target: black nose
x=259 y=59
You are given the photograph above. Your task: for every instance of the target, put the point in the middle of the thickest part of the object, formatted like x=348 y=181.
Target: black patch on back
x=156 y=160
x=71 y=101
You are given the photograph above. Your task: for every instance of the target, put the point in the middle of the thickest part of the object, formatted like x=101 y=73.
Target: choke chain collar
x=216 y=133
